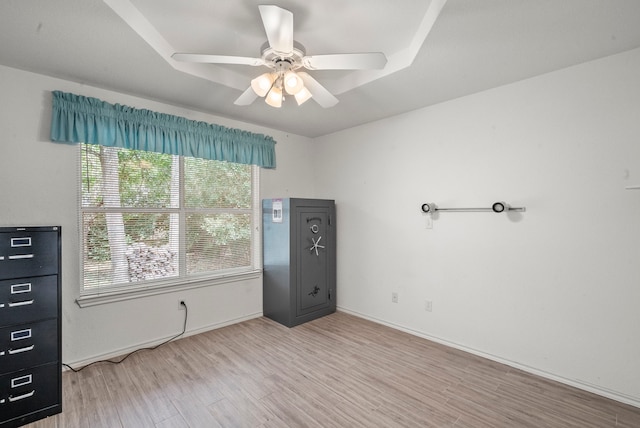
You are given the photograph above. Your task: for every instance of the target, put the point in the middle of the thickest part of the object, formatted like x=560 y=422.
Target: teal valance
x=79 y=119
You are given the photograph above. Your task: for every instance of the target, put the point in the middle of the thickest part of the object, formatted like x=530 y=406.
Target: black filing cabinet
x=299 y=259
x=30 y=339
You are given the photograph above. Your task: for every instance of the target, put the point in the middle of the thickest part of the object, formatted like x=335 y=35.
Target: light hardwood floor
x=337 y=371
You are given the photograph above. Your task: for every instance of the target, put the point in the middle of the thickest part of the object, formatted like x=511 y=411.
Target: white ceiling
x=472 y=46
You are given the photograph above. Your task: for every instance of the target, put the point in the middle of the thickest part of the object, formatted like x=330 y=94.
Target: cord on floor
x=184 y=329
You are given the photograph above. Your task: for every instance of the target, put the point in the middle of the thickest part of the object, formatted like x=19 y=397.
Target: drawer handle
x=20 y=334
x=21 y=397
x=21 y=288
x=19 y=350
x=21 y=381
x=20 y=242
x=23 y=303
x=21 y=256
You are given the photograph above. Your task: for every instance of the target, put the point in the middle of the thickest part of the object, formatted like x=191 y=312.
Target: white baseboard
x=604 y=392
x=150 y=344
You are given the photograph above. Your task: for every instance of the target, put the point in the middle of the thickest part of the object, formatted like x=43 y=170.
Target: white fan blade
x=319 y=92
x=247 y=97
x=217 y=59
x=278 y=24
x=355 y=61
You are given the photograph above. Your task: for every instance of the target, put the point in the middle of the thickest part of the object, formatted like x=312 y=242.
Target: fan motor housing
x=283 y=61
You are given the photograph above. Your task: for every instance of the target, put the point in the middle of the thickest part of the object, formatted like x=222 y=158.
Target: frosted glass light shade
x=263 y=83
x=274 y=97
x=302 y=95
x=292 y=83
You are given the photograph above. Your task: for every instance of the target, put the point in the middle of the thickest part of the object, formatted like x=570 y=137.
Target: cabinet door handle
x=21 y=397
x=23 y=303
x=17 y=351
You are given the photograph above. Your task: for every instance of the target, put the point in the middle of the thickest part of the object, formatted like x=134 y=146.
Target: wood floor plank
x=132 y=406
x=227 y=415
x=176 y=421
x=289 y=409
x=194 y=413
x=336 y=371
x=151 y=389
x=91 y=407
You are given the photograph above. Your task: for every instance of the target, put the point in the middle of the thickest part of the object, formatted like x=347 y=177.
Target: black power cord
x=184 y=329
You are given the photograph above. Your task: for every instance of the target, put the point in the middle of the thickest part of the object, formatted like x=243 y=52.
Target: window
x=156 y=220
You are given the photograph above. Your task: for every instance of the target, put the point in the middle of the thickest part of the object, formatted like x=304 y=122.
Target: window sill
x=136 y=292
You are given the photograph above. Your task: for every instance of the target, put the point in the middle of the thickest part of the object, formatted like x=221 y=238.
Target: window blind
x=156 y=217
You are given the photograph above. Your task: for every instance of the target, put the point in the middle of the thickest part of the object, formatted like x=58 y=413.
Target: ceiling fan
x=285 y=56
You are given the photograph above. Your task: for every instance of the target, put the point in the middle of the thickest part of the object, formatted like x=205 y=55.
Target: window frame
x=132 y=290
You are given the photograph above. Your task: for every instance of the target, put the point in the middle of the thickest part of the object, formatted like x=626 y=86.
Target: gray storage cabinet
x=30 y=352
x=299 y=259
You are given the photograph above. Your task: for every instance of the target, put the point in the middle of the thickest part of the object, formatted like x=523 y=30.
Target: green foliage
x=220 y=229
x=91 y=176
x=148 y=228
x=151 y=229
x=212 y=184
x=96 y=241
x=145 y=179
x=220 y=240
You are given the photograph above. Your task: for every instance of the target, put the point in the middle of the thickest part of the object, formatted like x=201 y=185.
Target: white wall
x=554 y=290
x=38 y=186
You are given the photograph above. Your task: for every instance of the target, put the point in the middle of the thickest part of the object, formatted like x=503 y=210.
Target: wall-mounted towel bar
x=497 y=207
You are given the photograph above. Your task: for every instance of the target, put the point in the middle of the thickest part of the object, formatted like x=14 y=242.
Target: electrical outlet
x=394 y=297
x=182 y=305
x=428 y=305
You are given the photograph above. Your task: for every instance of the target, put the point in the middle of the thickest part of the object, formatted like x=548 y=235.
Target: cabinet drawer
x=26 y=345
x=26 y=252
x=26 y=391
x=28 y=299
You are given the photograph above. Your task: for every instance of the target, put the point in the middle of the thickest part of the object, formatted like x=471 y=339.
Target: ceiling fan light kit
x=292 y=83
x=302 y=95
x=284 y=56
x=262 y=84
x=274 y=97
x=271 y=85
